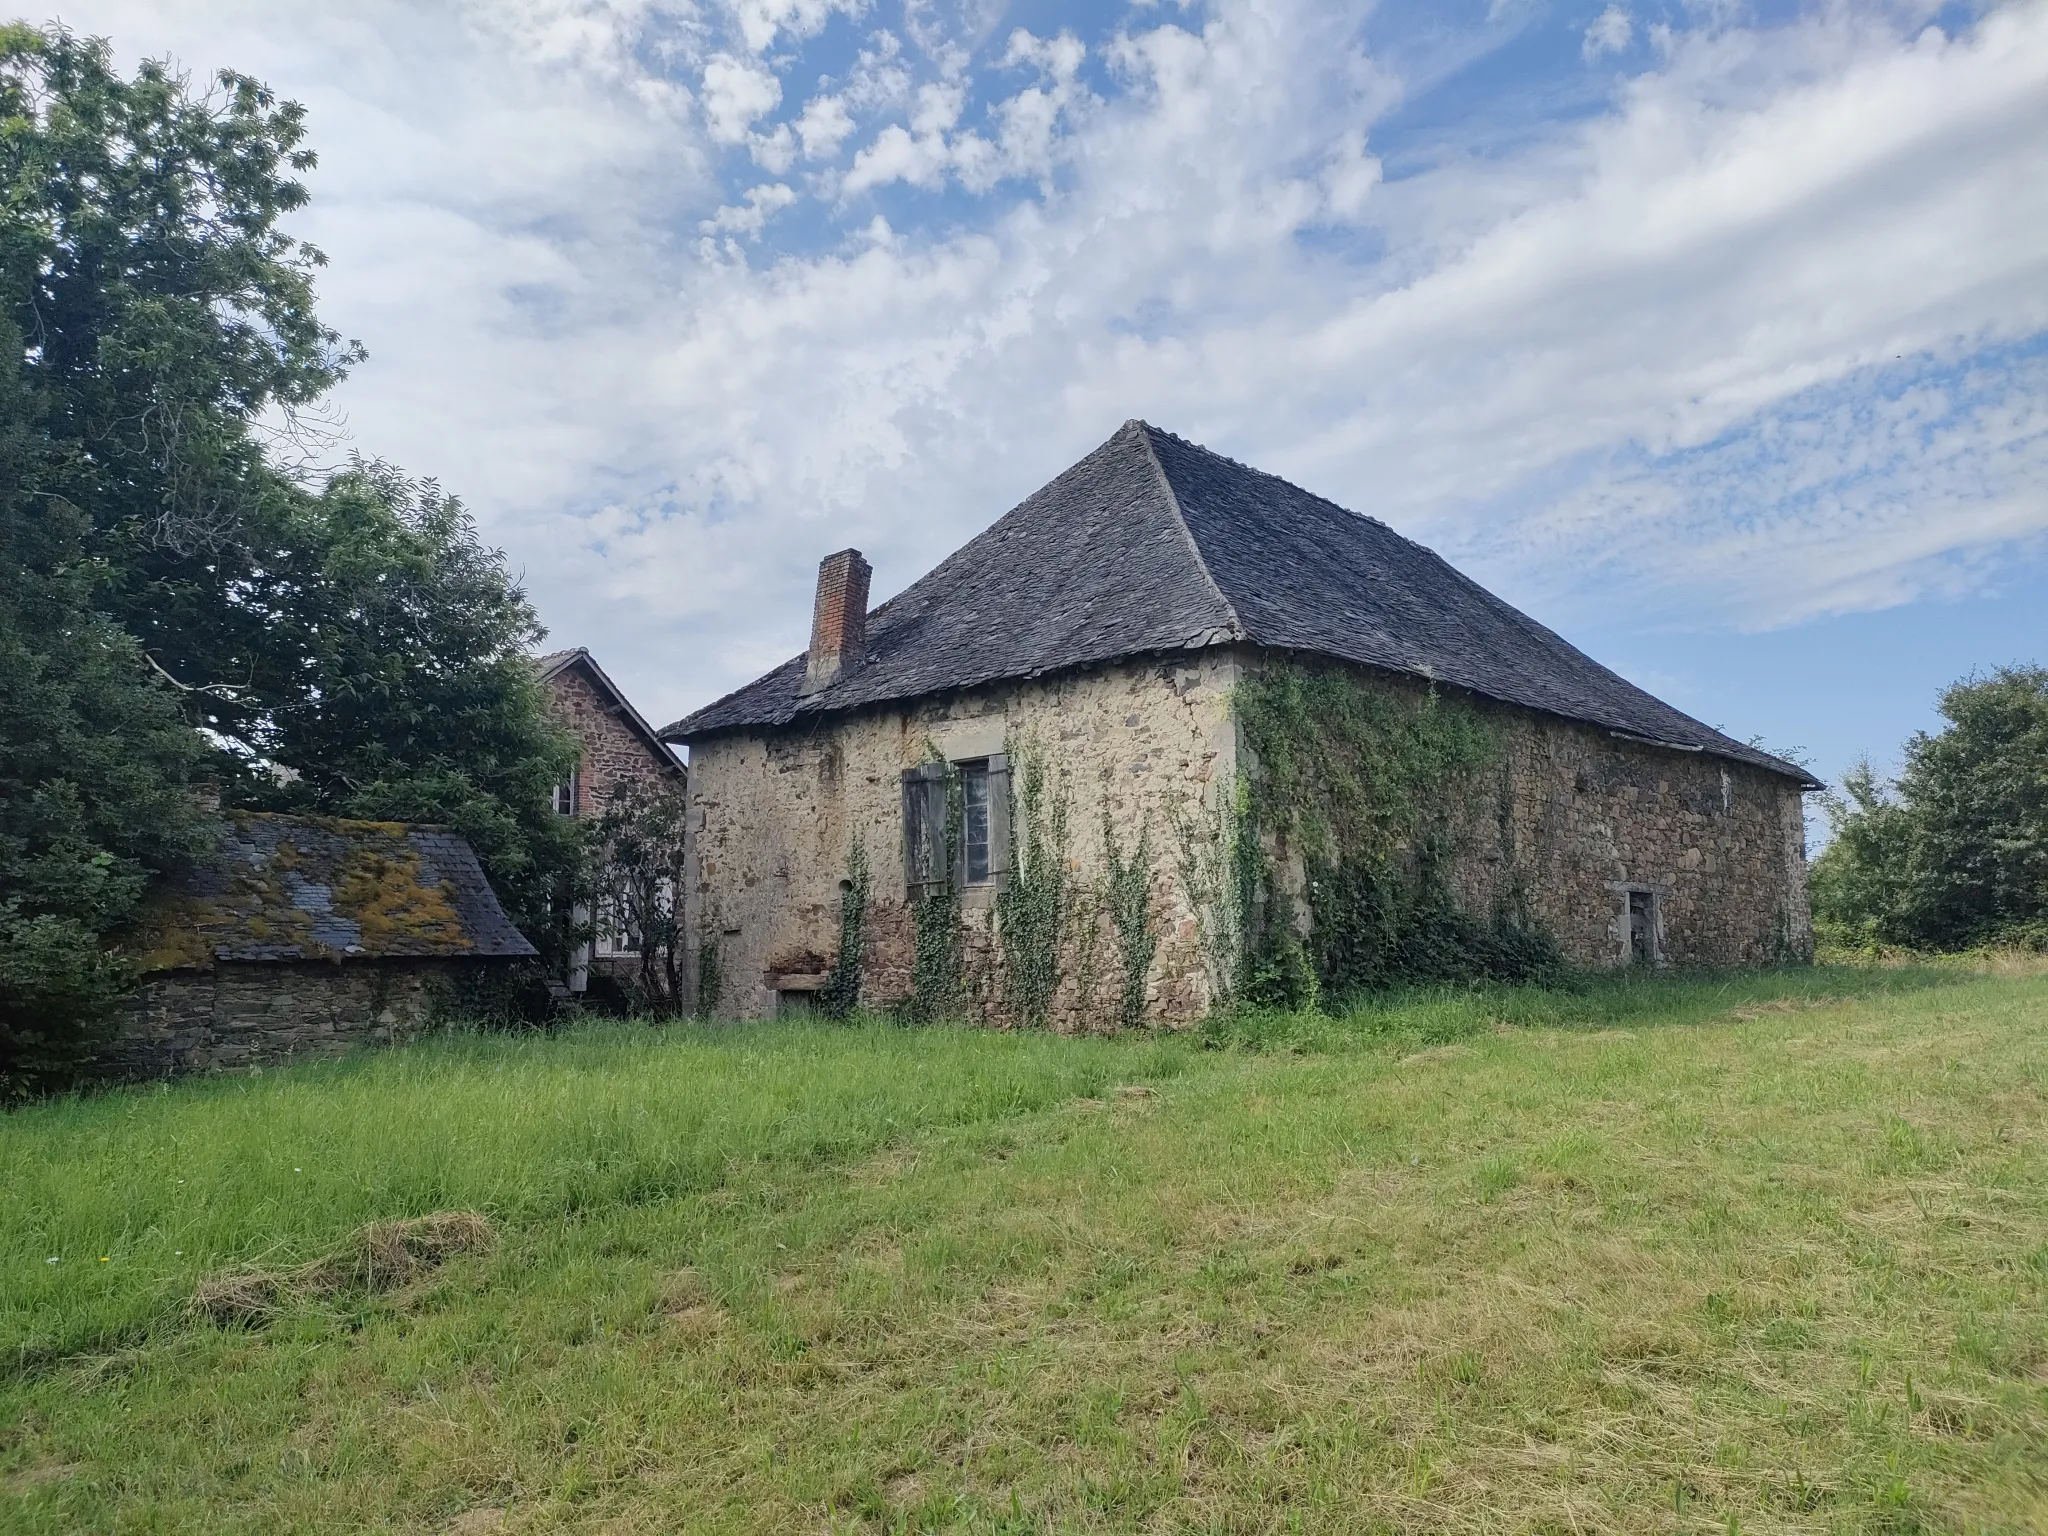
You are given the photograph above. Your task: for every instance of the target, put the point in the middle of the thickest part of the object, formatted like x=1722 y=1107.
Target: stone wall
x=612 y=751
x=236 y=1016
x=1572 y=817
x=773 y=817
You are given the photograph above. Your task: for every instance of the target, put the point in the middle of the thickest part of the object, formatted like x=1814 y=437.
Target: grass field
x=1759 y=1253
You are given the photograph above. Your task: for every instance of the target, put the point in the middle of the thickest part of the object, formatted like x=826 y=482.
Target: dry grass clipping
x=379 y=1257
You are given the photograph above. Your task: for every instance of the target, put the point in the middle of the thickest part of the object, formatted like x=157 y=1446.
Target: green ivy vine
x=1031 y=907
x=937 y=985
x=1371 y=787
x=709 y=981
x=841 y=992
x=1127 y=892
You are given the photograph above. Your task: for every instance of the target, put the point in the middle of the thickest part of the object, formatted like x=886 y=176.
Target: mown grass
x=1757 y=1253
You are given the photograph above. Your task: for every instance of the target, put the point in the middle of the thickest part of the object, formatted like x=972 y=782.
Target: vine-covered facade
x=1173 y=735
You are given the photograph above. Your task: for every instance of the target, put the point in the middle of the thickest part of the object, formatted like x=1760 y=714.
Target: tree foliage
x=347 y=647
x=1955 y=853
x=638 y=847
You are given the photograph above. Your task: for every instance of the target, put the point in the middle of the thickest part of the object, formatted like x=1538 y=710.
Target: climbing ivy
x=841 y=993
x=936 y=981
x=709 y=981
x=1032 y=904
x=1370 y=788
x=1219 y=869
x=1127 y=892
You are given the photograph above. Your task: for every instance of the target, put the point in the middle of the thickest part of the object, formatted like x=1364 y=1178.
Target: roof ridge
x=1145 y=430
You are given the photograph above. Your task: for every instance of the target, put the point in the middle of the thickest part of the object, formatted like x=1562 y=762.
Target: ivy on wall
x=710 y=983
x=1032 y=905
x=1371 y=789
x=1127 y=893
x=937 y=985
x=841 y=993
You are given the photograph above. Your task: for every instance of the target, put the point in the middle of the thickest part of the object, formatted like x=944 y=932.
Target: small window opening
x=1642 y=928
x=974 y=826
x=567 y=793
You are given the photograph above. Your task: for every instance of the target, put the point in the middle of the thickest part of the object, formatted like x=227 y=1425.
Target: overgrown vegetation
x=1127 y=896
x=938 y=951
x=710 y=977
x=637 y=870
x=1033 y=904
x=1755 y=1251
x=1955 y=854
x=841 y=993
x=175 y=555
x=1372 y=789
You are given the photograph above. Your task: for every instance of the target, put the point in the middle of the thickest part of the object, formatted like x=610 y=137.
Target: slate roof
x=554 y=663
x=317 y=888
x=1153 y=544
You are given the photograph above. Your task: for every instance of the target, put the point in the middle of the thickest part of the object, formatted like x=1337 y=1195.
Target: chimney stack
x=839 y=622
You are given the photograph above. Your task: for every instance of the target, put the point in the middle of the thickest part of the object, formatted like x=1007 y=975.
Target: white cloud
x=735 y=94
x=1710 y=343
x=749 y=217
x=760 y=21
x=1610 y=32
x=823 y=127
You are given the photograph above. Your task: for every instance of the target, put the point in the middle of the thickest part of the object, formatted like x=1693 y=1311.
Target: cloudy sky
x=1713 y=333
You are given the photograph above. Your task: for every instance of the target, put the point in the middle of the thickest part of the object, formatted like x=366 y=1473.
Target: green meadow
x=1759 y=1252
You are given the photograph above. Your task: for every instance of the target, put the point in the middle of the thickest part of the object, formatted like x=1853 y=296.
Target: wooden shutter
x=1002 y=855
x=924 y=831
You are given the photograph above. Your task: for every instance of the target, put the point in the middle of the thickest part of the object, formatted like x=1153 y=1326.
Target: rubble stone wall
x=612 y=751
x=774 y=816
x=248 y=1015
x=1572 y=817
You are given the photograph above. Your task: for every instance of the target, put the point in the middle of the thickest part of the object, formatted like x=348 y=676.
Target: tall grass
x=111 y=1206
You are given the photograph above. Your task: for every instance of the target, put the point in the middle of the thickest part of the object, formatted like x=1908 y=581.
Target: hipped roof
x=1153 y=544
x=285 y=888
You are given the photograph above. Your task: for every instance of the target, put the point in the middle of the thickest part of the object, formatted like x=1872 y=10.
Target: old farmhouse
x=1174 y=730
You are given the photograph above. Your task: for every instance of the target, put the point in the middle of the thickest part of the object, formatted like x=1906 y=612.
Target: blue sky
x=1711 y=333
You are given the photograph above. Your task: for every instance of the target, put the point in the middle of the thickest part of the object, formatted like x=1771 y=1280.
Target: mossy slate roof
x=1153 y=545
x=285 y=888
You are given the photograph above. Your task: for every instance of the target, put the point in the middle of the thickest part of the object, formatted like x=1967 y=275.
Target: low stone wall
x=239 y=1016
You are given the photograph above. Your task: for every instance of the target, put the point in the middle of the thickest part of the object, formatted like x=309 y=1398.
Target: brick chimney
x=839 y=622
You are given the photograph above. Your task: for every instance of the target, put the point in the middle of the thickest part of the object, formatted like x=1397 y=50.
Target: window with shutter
x=925 y=864
x=974 y=827
x=1002 y=851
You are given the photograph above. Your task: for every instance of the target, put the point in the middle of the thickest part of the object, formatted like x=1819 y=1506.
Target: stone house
x=1108 y=640
x=305 y=936
x=617 y=747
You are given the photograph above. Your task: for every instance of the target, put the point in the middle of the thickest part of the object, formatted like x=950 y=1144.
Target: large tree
x=1956 y=852
x=175 y=601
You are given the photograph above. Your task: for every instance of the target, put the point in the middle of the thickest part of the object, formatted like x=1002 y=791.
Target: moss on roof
x=294 y=888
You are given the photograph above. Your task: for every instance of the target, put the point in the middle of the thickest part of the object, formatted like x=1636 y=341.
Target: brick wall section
x=839 y=618
x=612 y=751
x=238 y=1016
x=1572 y=815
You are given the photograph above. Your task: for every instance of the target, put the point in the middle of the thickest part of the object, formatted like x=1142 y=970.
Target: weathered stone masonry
x=613 y=753
x=774 y=816
x=265 y=1014
x=1577 y=817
